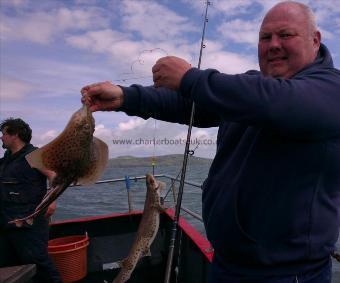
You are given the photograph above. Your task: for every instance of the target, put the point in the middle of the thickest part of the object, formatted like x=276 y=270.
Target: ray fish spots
x=147 y=230
x=76 y=156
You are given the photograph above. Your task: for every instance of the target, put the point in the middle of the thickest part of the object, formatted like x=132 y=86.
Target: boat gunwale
x=201 y=242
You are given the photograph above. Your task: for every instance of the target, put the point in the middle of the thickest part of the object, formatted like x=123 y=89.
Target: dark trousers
x=323 y=275
x=28 y=245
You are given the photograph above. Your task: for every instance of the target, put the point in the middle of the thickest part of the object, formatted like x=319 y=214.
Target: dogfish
x=147 y=229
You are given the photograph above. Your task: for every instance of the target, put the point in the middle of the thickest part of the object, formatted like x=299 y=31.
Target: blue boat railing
x=171 y=178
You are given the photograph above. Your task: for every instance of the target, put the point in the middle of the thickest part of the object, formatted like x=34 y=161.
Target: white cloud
x=130 y=56
x=121 y=50
x=44 y=27
x=131 y=124
x=230 y=63
x=324 y=10
x=120 y=41
x=48 y=136
x=14 y=89
x=15 y=3
x=136 y=137
x=325 y=34
x=153 y=21
x=78 y=19
x=240 y=31
x=225 y=7
x=327 y=17
x=49 y=78
x=227 y=62
x=267 y=5
x=232 y=7
x=103 y=133
x=37 y=30
x=200 y=133
x=98 y=41
x=337 y=22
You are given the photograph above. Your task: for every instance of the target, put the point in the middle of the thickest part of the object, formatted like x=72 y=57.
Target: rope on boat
x=184 y=167
x=128 y=187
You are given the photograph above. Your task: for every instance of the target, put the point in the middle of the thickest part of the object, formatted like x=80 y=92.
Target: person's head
x=288 y=40
x=14 y=133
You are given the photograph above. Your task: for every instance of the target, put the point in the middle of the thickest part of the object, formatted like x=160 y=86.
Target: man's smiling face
x=287 y=42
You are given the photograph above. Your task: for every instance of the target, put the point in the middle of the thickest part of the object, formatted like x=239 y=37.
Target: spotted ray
x=147 y=230
x=75 y=156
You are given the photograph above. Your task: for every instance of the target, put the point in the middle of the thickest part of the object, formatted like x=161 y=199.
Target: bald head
x=301 y=10
x=288 y=40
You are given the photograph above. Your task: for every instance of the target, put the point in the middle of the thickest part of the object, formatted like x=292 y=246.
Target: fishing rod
x=184 y=166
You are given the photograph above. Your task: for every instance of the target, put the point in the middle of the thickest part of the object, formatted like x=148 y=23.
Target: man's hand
x=103 y=96
x=169 y=71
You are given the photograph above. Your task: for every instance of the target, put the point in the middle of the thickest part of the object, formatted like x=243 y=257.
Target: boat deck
x=111 y=238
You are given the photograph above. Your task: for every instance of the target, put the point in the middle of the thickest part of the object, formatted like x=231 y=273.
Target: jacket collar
x=26 y=149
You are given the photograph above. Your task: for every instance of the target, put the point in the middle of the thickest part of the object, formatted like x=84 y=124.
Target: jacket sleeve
x=165 y=105
x=306 y=106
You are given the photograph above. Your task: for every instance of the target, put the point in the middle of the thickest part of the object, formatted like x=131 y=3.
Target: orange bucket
x=69 y=255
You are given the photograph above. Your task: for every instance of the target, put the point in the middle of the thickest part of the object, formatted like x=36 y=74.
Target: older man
x=271 y=200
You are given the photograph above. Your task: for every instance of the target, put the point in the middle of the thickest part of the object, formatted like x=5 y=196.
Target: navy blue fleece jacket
x=271 y=199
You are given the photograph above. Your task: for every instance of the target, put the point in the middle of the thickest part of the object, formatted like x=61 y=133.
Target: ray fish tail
x=76 y=156
x=51 y=196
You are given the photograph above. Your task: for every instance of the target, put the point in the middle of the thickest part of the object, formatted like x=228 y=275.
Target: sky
x=50 y=49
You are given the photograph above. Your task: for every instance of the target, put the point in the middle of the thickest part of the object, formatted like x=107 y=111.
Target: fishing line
x=172 y=183
x=191 y=153
x=135 y=78
x=153 y=162
x=184 y=166
x=140 y=61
